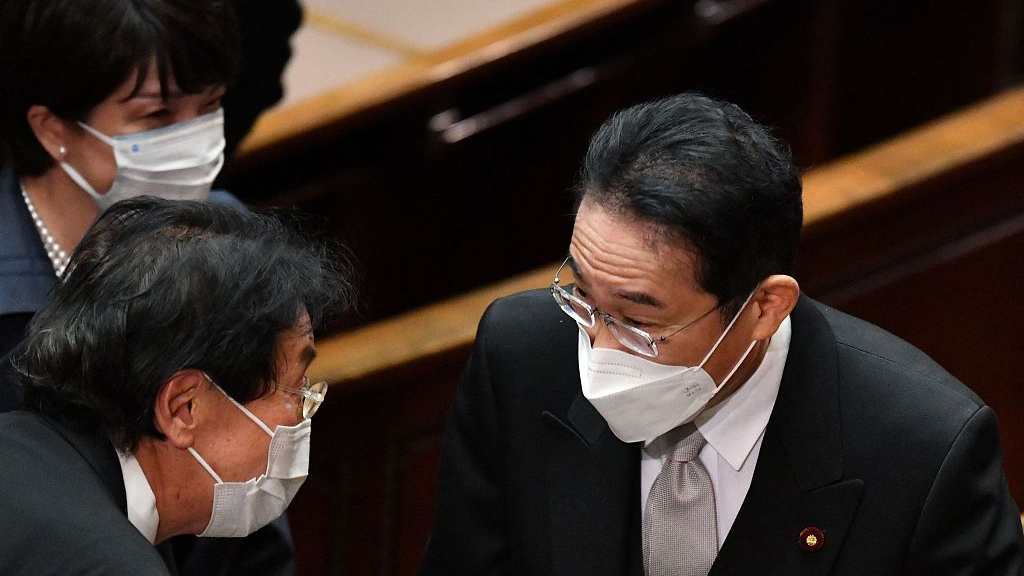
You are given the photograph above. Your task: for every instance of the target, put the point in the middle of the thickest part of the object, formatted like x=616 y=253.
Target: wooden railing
x=451 y=148
x=923 y=235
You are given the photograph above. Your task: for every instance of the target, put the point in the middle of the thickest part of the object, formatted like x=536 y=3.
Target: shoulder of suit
x=527 y=313
x=34 y=451
x=872 y=348
x=47 y=486
x=527 y=329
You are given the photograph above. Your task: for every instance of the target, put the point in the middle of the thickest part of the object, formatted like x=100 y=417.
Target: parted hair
x=703 y=171
x=160 y=286
x=70 y=55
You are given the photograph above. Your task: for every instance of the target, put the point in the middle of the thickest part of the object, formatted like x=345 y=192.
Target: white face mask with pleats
x=641 y=399
x=241 y=508
x=176 y=162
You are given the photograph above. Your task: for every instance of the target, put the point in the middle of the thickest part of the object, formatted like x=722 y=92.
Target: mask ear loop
x=726 y=331
x=242 y=408
x=204 y=464
x=77 y=178
x=74 y=174
x=202 y=461
x=99 y=135
x=738 y=364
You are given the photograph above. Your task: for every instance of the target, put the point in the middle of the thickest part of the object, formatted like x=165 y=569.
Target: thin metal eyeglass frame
x=311 y=398
x=564 y=299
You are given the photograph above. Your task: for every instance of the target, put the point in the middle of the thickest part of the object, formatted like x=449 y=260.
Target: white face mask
x=642 y=400
x=241 y=508
x=176 y=162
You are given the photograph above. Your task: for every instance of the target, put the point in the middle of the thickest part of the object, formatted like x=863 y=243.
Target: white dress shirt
x=734 y=429
x=142 y=511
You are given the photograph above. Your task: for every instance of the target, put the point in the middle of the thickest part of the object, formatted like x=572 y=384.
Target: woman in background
x=102 y=100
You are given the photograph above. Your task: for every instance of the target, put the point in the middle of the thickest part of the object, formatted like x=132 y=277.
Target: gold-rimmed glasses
x=312 y=395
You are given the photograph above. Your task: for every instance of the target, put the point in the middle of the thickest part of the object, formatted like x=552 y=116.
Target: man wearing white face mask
x=165 y=389
x=673 y=406
x=102 y=100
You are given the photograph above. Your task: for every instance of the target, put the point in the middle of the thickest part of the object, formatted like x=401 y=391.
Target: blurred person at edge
x=165 y=389
x=102 y=100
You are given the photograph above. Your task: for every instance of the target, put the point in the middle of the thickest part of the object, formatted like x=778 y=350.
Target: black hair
x=70 y=55
x=704 y=172
x=160 y=286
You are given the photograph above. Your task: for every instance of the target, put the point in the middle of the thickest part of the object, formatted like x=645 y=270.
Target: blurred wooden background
x=449 y=168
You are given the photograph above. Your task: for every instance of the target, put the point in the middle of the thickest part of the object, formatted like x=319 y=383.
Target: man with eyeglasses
x=673 y=405
x=164 y=389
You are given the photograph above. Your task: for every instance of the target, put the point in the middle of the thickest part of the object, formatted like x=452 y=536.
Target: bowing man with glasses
x=165 y=389
x=672 y=405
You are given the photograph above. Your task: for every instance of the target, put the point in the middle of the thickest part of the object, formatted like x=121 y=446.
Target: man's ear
x=50 y=130
x=774 y=300
x=174 y=410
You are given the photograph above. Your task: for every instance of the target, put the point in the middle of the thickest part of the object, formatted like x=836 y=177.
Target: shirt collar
x=733 y=427
x=142 y=512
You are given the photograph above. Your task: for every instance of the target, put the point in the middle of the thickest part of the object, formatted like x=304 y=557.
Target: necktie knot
x=687 y=443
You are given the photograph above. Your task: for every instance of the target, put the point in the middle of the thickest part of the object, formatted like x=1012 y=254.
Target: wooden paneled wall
x=923 y=235
x=452 y=170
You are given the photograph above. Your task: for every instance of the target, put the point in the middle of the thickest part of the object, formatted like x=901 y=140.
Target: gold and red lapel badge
x=812 y=539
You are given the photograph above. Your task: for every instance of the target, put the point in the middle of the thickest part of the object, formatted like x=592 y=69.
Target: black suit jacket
x=62 y=504
x=896 y=462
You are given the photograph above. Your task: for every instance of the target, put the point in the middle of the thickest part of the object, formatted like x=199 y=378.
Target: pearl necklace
x=58 y=257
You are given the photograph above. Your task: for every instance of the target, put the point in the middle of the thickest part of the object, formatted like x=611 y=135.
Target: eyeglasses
x=312 y=395
x=586 y=315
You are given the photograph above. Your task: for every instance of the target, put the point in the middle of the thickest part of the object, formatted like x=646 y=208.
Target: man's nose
x=602 y=337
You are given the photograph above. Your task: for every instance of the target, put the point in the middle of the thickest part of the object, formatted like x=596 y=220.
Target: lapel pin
x=812 y=539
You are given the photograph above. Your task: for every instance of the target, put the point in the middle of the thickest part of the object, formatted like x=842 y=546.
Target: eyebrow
x=641 y=298
x=153 y=96
x=171 y=95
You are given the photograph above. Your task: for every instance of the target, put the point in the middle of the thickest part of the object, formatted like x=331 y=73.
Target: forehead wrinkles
x=618 y=250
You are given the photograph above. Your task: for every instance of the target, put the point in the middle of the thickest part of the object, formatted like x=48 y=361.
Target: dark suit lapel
x=798 y=482
x=593 y=494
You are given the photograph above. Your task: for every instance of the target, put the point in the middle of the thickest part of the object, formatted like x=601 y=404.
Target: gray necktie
x=680 y=524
